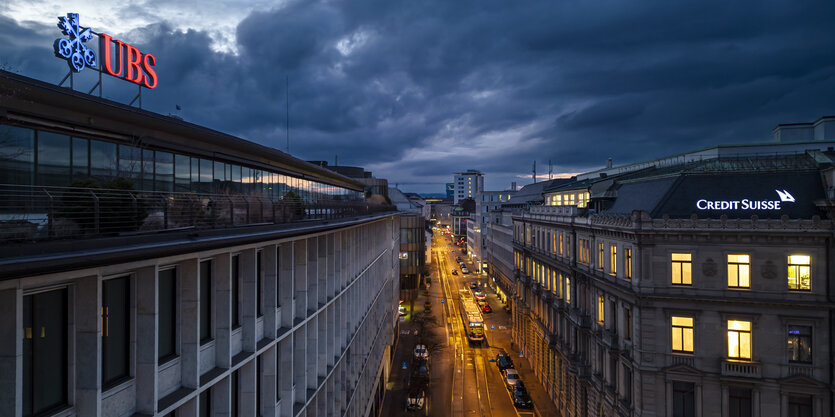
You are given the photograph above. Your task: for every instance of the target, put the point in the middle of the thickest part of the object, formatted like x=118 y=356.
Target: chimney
x=513 y=186
x=609 y=163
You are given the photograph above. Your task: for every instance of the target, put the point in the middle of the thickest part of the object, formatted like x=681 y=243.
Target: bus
x=471 y=316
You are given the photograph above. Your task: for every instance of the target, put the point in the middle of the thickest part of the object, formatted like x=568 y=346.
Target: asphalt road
x=464 y=379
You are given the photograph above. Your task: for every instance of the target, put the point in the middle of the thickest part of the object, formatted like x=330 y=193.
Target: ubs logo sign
x=136 y=66
x=746 y=204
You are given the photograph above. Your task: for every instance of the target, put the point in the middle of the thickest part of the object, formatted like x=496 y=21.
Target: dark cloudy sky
x=416 y=90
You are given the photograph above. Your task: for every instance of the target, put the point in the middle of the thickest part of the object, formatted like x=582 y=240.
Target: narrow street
x=464 y=378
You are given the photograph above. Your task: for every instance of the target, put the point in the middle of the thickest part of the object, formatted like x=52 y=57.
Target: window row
x=37 y=157
x=740 y=401
x=739 y=338
x=798 y=271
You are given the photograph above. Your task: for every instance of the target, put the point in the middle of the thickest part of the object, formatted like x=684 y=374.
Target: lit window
x=601 y=307
x=800 y=344
x=600 y=256
x=613 y=260
x=682 y=268
x=567 y=290
x=739 y=339
x=800 y=272
x=739 y=271
x=682 y=334
x=627 y=324
x=627 y=263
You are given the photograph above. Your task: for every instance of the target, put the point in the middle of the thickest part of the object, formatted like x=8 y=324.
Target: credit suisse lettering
x=745 y=204
x=137 y=67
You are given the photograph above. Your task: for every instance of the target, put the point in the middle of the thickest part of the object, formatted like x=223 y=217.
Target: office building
x=695 y=285
x=467 y=184
x=152 y=267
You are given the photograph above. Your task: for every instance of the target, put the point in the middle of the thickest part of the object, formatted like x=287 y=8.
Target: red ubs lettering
x=136 y=66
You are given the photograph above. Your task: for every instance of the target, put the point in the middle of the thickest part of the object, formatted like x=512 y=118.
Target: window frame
x=627 y=263
x=739 y=341
x=105 y=317
x=739 y=266
x=683 y=265
x=798 y=267
x=809 y=338
x=613 y=260
x=684 y=335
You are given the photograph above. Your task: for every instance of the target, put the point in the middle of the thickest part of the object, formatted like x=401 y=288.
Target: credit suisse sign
x=746 y=204
x=130 y=63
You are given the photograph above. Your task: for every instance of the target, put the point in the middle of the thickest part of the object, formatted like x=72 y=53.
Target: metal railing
x=46 y=213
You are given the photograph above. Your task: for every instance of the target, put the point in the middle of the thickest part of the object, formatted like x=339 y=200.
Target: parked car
x=480 y=296
x=454 y=272
x=420 y=369
x=464 y=270
x=486 y=308
x=511 y=377
x=401 y=310
x=421 y=352
x=503 y=361
x=416 y=398
x=521 y=398
x=473 y=285
x=458 y=258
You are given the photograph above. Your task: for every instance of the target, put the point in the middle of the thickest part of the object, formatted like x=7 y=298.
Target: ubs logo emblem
x=77 y=54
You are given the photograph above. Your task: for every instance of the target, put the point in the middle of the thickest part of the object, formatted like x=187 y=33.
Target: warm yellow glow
x=613 y=261
x=800 y=272
x=682 y=334
x=682 y=269
x=739 y=339
x=627 y=263
x=567 y=290
x=599 y=256
x=739 y=271
x=600 y=309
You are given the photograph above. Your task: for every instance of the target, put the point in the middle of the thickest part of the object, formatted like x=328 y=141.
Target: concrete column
x=299 y=363
x=146 y=332
x=312 y=274
x=331 y=280
x=88 y=346
x=285 y=374
x=322 y=270
x=189 y=323
x=268 y=382
x=222 y=283
x=249 y=293
x=246 y=399
x=269 y=264
x=331 y=338
x=300 y=278
x=312 y=350
x=285 y=283
x=222 y=397
x=11 y=352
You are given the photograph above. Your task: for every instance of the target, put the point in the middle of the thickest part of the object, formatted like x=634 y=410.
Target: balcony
x=48 y=213
x=743 y=369
x=682 y=360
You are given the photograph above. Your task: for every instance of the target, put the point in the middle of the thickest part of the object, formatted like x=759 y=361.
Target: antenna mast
x=534 y=171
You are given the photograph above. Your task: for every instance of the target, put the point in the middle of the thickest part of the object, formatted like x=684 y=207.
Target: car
x=503 y=361
x=421 y=352
x=420 y=369
x=521 y=398
x=479 y=295
x=415 y=399
x=473 y=285
x=427 y=306
x=486 y=308
x=464 y=270
x=401 y=310
x=454 y=272
x=458 y=259
x=511 y=377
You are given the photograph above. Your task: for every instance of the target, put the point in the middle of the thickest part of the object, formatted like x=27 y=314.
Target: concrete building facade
x=467 y=184
x=158 y=268
x=641 y=299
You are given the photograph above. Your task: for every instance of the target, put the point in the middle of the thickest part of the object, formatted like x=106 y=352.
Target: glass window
x=800 y=344
x=182 y=173
x=567 y=290
x=53 y=159
x=739 y=402
x=45 y=357
x=205 y=301
x=206 y=176
x=102 y=160
x=167 y=320
x=258 y=283
x=205 y=400
x=682 y=268
x=684 y=399
x=164 y=171
x=800 y=272
x=130 y=164
x=739 y=271
x=627 y=263
x=682 y=334
x=17 y=155
x=800 y=406
x=613 y=259
x=627 y=324
x=195 y=175
x=600 y=258
x=601 y=306
x=236 y=288
x=236 y=179
x=235 y=399
x=80 y=159
x=219 y=177
x=147 y=170
x=115 y=330
x=739 y=339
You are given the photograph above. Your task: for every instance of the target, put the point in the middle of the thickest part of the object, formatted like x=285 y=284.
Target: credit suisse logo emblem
x=73 y=49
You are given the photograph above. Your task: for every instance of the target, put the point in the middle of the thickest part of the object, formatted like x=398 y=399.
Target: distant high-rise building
x=450 y=190
x=467 y=184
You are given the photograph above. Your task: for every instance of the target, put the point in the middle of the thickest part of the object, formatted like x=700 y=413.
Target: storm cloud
x=415 y=91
